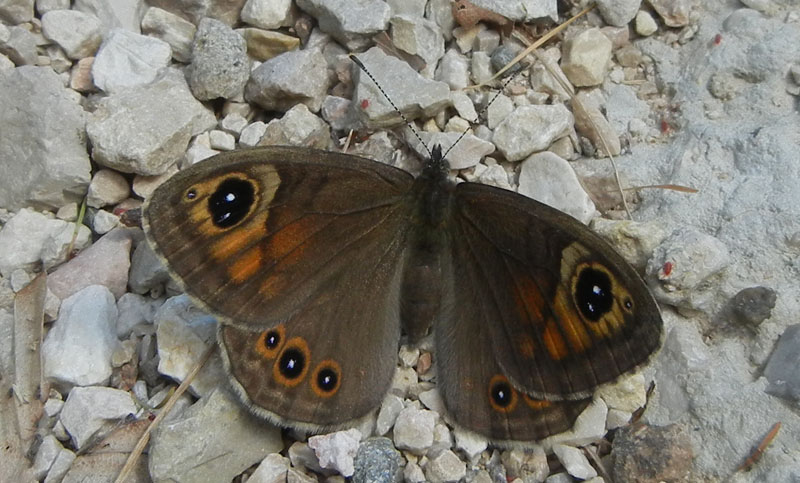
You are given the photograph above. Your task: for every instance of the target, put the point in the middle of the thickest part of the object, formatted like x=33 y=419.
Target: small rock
x=135 y=311
x=337 y=450
x=298 y=77
x=272 y=469
x=222 y=141
x=574 y=462
x=215 y=439
x=77 y=350
x=303 y=457
x=390 y=409
x=20 y=46
x=233 y=123
x=79 y=34
x=528 y=464
x=265 y=44
x=754 y=305
x=105 y=263
x=471 y=444
x=586 y=58
x=60 y=466
x=351 y=23
x=30 y=239
x=102 y=221
x=377 y=461
x=107 y=188
x=418 y=36
x=252 y=134
x=46 y=456
x=650 y=454
x=550 y=179
x=618 y=12
x=645 y=25
x=88 y=409
x=675 y=13
x=219 y=65
x=147 y=273
x=444 y=466
x=172 y=29
x=529 y=129
x=126 y=59
x=413 y=429
x=266 y=14
x=453 y=70
x=184 y=333
x=628 y=393
x=781 y=370
x=298 y=127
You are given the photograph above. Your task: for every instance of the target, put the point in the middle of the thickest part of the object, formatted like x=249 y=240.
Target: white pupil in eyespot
x=230 y=197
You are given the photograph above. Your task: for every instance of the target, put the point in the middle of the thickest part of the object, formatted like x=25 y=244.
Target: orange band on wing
x=246 y=265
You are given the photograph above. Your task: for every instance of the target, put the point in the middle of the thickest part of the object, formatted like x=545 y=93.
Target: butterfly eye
x=231 y=202
x=593 y=293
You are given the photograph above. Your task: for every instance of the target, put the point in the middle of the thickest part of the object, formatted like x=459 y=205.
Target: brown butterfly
x=315 y=262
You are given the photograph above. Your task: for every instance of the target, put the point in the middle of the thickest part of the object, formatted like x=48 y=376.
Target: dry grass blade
x=549 y=35
x=753 y=458
x=78 y=224
x=591 y=452
x=137 y=451
x=672 y=187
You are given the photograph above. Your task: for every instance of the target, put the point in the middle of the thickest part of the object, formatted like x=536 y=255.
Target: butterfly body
x=316 y=262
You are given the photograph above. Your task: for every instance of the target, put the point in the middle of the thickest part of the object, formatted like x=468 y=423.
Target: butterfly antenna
x=386 y=96
x=482 y=111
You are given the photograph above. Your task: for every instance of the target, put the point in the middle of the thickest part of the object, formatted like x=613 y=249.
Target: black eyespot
x=327 y=379
x=593 y=293
x=502 y=394
x=191 y=194
x=292 y=363
x=272 y=339
x=231 y=202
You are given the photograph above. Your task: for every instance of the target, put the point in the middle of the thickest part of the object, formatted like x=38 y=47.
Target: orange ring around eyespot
x=299 y=347
x=536 y=404
x=326 y=364
x=261 y=343
x=493 y=382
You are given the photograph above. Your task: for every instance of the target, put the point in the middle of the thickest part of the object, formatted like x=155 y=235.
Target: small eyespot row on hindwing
x=291 y=365
x=327 y=378
x=271 y=341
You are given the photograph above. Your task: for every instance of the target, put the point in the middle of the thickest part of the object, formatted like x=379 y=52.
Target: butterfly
x=315 y=263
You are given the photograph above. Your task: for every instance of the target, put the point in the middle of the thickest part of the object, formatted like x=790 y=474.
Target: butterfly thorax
x=432 y=195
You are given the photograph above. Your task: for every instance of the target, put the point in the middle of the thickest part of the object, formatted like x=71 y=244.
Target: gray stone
x=781 y=370
x=30 y=239
x=77 y=350
x=172 y=29
x=45 y=456
x=213 y=440
x=618 y=12
x=645 y=24
x=272 y=469
x=147 y=273
x=221 y=140
x=219 y=66
x=79 y=34
x=126 y=59
x=102 y=221
x=453 y=69
x=444 y=466
x=413 y=429
x=586 y=58
x=184 y=333
x=351 y=23
x=266 y=14
x=44 y=6
x=88 y=410
x=683 y=264
x=529 y=129
x=521 y=10
x=135 y=311
x=299 y=77
x=377 y=461
x=46 y=174
x=104 y=263
x=16 y=11
x=20 y=46
x=591 y=123
x=158 y=119
x=298 y=127
x=60 y=466
x=754 y=305
x=252 y=134
x=574 y=461
x=195 y=10
x=107 y=188
x=469 y=443
x=265 y=44
x=548 y=178
x=418 y=36
x=413 y=95
x=233 y=123
x=675 y=13
x=115 y=14
x=336 y=450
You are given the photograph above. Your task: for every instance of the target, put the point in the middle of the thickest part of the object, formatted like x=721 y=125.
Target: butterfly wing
x=477 y=394
x=563 y=311
x=264 y=239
